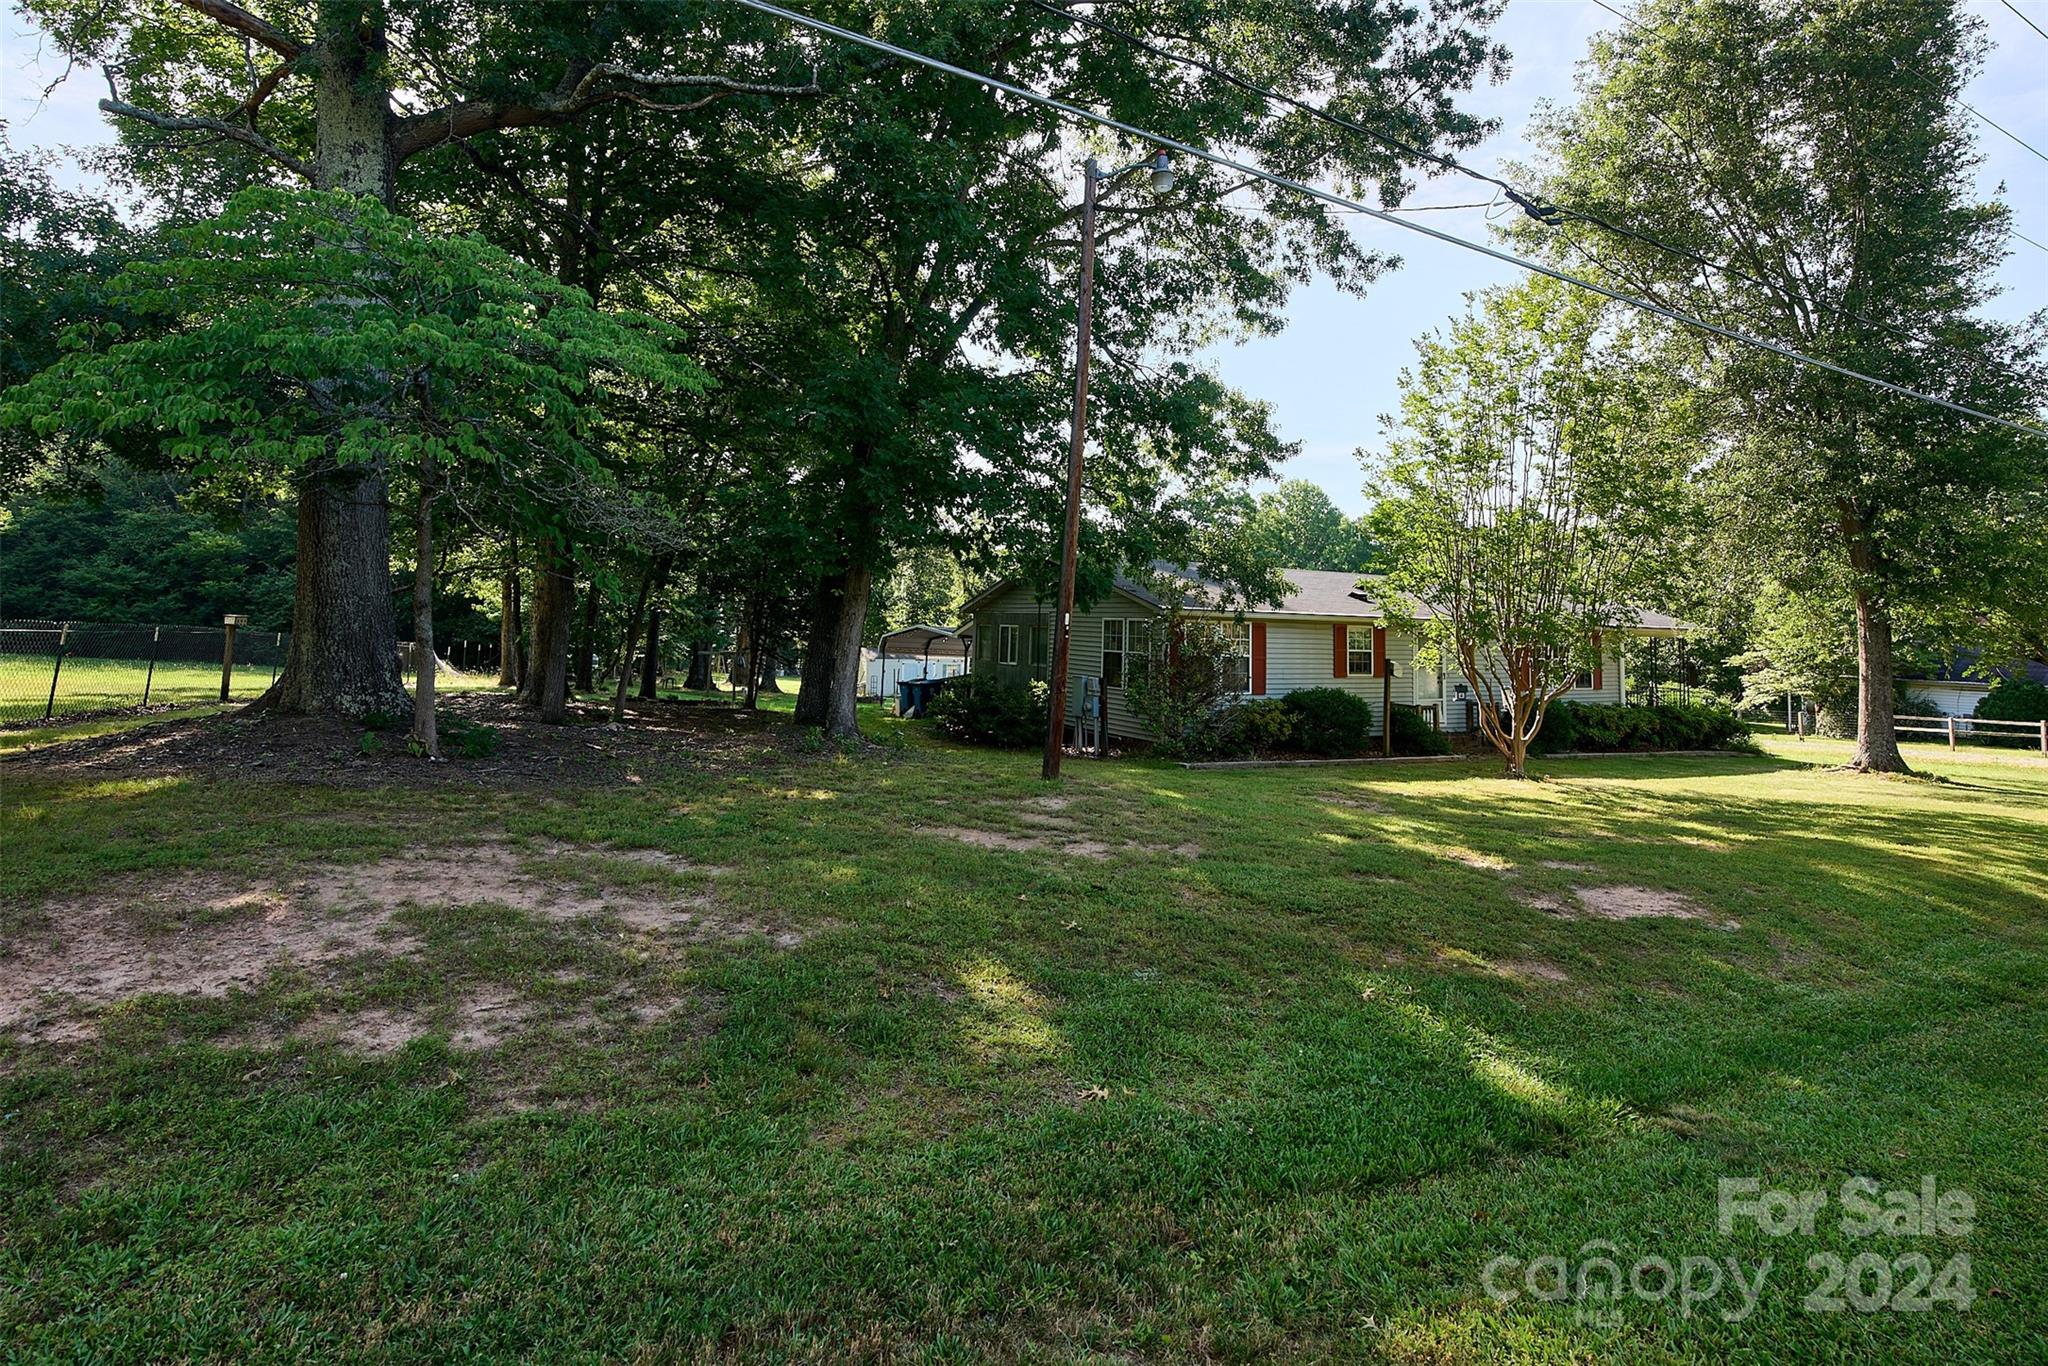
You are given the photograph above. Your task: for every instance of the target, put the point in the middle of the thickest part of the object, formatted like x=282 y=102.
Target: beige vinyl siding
x=1609 y=693
x=1016 y=606
x=1303 y=654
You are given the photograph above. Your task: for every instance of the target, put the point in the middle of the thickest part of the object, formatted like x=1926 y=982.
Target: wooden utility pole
x=1070 y=545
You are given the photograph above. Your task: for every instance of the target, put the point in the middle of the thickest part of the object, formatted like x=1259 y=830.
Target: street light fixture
x=1160 y=177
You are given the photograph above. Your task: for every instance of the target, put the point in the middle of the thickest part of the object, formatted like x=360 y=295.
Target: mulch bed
x=655 y=738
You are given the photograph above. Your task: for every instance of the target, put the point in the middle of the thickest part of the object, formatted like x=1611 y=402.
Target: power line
x=1330 y=197
x=1910 y=71
x=1544 y=211
x=2023 y=18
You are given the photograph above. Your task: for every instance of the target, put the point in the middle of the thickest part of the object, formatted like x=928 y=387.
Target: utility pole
x=1161 y=180
x=1070 y=543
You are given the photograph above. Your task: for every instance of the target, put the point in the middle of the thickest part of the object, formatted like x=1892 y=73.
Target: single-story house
x=1326 y=632
x=1955 y=687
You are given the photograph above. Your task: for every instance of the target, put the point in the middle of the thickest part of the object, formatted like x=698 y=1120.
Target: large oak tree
x=1803 y=172
x=343 y=95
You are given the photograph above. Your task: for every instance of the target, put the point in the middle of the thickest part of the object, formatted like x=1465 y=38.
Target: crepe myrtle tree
x=342 y=95
x=1530 y=477
x=317 y=330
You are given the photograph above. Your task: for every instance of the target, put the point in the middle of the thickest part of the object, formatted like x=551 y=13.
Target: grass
x=91 y=685
x=1278 y=1077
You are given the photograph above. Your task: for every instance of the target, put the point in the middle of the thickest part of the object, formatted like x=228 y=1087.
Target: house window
x=1358 y=651
x=1138 y=641
x=1237 y=666
x=1006 y=644
x=1112 y=654
x=1583 y=679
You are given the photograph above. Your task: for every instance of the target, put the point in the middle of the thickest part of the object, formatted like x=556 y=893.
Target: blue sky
x=1332 y=372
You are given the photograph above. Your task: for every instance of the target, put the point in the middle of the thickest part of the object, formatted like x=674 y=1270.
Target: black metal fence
x=51 y=669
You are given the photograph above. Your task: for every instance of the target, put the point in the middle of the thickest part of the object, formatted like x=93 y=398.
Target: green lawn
x=1196 y=1065
x=99 y=684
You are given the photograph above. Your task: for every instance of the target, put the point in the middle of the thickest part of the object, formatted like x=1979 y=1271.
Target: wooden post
x=227 y=650
x=57 y=668
x=2044 y=738
x=156 y=634
x=1386 y=707
x=1951 y=733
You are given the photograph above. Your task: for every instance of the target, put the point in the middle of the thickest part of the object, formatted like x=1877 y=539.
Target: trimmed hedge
x=1330 y=721
x=981 y=711
x=1668 y=725
x=1414 y=735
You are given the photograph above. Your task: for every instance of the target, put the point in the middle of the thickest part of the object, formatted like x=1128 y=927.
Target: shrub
x=470 y=739
x=2011 y=699
x=1414 y=735
x=2014 y=699
x=1183 y=685
x=1668 y=725
x=981 y=711
x=1262 y=725
x=1330 y=721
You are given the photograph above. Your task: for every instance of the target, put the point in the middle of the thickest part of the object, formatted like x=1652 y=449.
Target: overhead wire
x=1332 y=198
x=1542 y=210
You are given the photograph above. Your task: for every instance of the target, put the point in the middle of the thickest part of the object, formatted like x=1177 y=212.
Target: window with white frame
x=1138 y=647
x=1006 y=644
x=1583 y=680
x=1113 y=653
x=1237 y=666
x=1358 y=660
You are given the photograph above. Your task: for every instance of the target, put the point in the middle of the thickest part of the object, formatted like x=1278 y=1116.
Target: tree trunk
x=344 y=655
x=699 y=677
x=547 y=674
x=632 y=638
x=1877 y=737
x=768 y=670
x=829 y=694
x=586 y=646
x=508 y=625
x=344 y=649
x=650 y=657
x=424 y=664
x=739 y=667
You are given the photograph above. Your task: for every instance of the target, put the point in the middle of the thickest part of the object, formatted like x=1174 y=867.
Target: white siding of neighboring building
x=1949 y=699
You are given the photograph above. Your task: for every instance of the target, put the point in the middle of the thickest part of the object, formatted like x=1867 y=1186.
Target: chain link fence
x=52 y=669
x=58 y=668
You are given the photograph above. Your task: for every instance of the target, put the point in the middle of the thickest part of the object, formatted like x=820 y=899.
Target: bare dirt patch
x=1622 y=902
x=1061 y=840
x=1567 y=866
x=203 y=934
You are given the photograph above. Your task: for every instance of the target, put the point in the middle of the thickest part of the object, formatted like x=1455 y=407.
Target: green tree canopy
x=1819 y=153
x=309 y=328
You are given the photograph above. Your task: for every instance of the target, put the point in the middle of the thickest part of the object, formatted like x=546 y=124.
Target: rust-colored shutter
x=1598 y=672
x=1258 y=659
x=1379 y=652
x=1340 y=663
